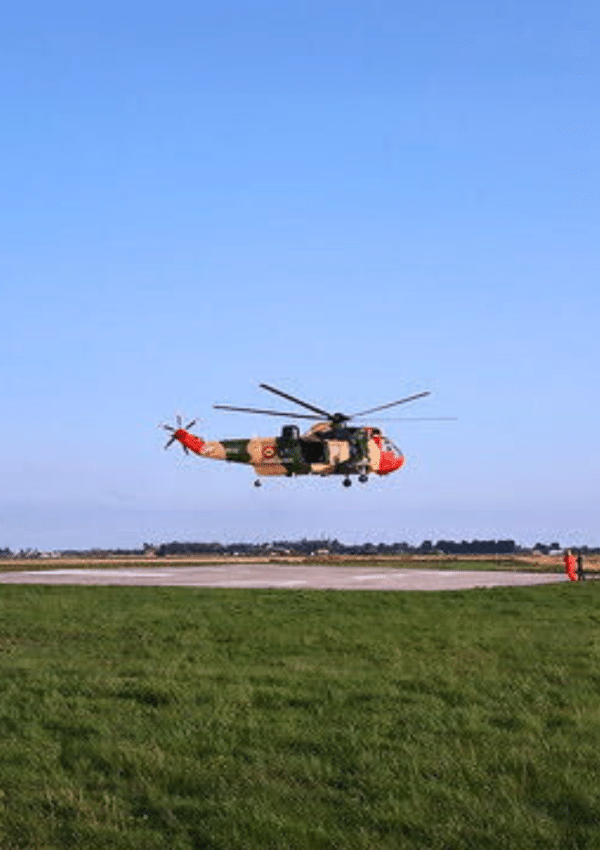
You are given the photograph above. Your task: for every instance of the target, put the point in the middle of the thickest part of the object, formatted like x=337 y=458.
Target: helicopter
x=330 y=447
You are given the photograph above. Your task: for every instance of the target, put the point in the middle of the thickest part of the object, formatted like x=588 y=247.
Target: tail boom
x=189 y=441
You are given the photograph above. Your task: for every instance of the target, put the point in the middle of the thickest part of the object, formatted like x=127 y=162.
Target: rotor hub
x=339 y=418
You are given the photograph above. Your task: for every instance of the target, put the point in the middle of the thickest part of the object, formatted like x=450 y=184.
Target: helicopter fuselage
x=325 y=449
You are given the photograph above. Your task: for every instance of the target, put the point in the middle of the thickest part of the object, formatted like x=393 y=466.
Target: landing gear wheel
x=347 y=482
x=363 y=478
x=258 y=483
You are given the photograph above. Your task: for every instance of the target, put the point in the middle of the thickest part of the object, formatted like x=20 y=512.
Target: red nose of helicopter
x=391 y=456
x=390 y=462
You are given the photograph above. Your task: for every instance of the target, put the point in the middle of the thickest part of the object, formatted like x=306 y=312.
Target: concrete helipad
x=292 y=577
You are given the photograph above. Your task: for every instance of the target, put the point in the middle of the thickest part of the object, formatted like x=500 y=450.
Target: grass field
x=175 y=718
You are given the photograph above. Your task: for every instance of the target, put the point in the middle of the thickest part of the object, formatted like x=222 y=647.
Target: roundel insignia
x=268 y=452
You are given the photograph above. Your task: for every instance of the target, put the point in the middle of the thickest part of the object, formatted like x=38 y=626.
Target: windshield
x=388 y=446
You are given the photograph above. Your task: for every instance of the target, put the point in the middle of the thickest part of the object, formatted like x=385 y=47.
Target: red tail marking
x=194 y=444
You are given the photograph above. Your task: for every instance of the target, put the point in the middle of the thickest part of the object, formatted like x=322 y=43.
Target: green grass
x=176 y=718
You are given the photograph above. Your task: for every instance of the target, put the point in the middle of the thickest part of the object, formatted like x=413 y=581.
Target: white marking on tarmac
x=374 y=576
x=97 y=573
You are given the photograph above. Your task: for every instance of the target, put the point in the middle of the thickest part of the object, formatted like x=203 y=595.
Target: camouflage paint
x=274 y=456
x=236 y=451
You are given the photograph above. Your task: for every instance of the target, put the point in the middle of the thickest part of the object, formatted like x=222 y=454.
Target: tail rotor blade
x=173 y=431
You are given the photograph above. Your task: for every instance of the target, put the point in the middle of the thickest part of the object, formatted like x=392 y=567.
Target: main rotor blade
x=296 y=400
x=391 y=404
x=267 y=412
x=416 y=419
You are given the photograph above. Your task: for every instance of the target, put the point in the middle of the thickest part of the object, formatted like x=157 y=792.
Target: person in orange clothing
x=570 y=565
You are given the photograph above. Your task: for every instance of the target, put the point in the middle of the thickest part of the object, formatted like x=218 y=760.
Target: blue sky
x=351 y=201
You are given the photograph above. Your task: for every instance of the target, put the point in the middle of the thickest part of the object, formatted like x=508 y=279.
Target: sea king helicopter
x=330 y=447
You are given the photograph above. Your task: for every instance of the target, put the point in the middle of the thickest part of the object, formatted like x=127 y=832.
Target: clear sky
x=352 y=201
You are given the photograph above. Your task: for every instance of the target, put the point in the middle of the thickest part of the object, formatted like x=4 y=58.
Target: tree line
x=305 y=547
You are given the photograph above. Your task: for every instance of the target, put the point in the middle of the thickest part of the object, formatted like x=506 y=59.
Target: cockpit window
x=388 y=446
